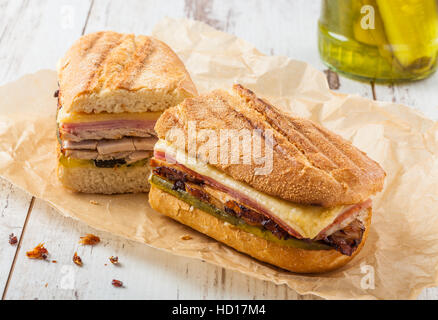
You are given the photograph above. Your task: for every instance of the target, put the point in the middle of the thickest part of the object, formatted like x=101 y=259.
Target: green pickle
x=380 y=40
x=167 y=186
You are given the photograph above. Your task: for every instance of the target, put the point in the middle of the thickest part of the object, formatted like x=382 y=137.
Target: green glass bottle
x=380 y=40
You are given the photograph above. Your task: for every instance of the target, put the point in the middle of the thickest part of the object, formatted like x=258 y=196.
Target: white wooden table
x=33 y=35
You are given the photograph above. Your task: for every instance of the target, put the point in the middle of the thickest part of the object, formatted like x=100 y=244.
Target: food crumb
x=114 y=260
x=46 y=285
x=77 y=260
x=12 y=239
x=39 y=252
x=186 y=237
x=94 y=202
x=117 y=283
x=90 y=239
x=191 y=208
x=54 y=261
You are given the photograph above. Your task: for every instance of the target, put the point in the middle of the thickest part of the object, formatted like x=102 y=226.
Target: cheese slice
x=65 y=117
x=307 y=220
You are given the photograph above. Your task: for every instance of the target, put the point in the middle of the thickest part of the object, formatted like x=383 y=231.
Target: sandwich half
x=309 y=213
x=112 y=89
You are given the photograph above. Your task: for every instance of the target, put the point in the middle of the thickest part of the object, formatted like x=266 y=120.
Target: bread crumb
x=90 y=239
x=186 y=237
x=117 y=283
x=77 y=260
x=94 y=202
x=114 y=260
x=13 y=239
x=39 y=252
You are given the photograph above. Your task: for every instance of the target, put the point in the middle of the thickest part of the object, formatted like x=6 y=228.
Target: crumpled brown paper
x=400 y=257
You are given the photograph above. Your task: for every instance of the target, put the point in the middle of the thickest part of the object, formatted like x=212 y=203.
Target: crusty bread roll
x=112 y=72
x=311 y=165
x=112 y=88
x=289 y=258
x=105 y=180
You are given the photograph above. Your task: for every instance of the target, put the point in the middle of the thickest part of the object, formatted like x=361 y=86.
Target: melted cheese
x=65 y=117
x=309 y=221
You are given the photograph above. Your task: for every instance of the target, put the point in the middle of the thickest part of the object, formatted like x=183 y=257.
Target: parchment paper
x=400 y=257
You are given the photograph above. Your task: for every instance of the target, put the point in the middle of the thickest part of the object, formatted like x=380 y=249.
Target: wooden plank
x=14 y=204
x=20 y=45
x=174 y=277
x=30 y=34
x=34 y=34
x=147 y=273
x=136 y=17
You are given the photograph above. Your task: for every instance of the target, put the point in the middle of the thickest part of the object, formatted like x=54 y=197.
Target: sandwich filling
x=307 y=227
x=107 y=139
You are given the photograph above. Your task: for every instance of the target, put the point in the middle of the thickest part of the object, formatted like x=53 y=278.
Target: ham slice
x=347 y=215
x=113 y=124
x=114 y=129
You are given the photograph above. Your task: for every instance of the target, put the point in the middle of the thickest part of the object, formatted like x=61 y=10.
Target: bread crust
x=311 y=165
x=288 y=258
x=113 y=72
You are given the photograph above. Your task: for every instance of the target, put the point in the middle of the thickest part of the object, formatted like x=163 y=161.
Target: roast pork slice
x=113 y=146
x=144 y=143
x=81 y=154
x=81 y=145
x=104 y=147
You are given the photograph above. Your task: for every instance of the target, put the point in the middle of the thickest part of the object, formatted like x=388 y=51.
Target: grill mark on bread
x=136 y=63
x=300 y=146
x=304 y=142
x=112 y=72
x=342 y=151
x=309 y=148
x=98 y=71
x=293 y=177
x=352 y=151
x=261 y=130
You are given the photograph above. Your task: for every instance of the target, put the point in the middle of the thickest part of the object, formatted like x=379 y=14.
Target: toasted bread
x=112 y=72
x=311 y=165
x=105 y=180
x=286 y=257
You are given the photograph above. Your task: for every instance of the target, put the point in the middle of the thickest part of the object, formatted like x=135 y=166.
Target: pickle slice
x=167 y=186
x=411 y=27
x=75 y=163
